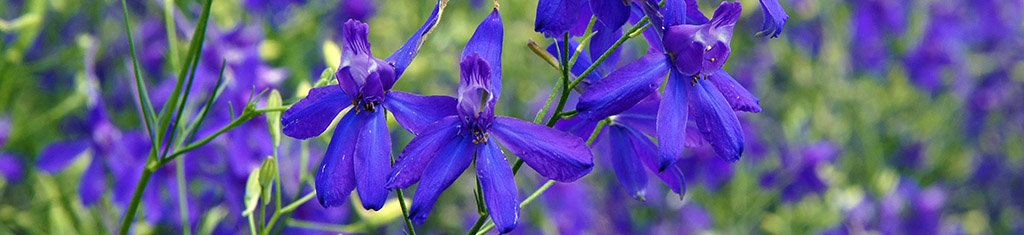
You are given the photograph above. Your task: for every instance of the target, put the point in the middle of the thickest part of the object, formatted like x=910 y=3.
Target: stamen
x=712 y=59
x=708 y=48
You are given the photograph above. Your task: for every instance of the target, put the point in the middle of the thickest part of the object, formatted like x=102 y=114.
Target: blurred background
x=879 y=116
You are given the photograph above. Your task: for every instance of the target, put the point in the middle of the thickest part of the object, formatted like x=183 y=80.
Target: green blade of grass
x=140 y=84
x=195 y=46
x=190 y=132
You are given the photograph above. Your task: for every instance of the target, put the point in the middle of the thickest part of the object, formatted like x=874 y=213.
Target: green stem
x=186 y=228
x=322 y=227
x=639 y=27
x=476 y=226
x=565 y=81
x=291 y=207
x=405 y=212
x=172 y=35
x=129 y=215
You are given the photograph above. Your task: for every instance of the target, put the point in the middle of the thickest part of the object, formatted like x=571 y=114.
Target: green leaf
x=274 y=118
x=252 y=192
x=268 y=172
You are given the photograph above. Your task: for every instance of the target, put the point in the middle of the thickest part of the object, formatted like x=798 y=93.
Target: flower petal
x=404 y=55
x=687 y=53
x=693 y=14
x=578 y=126
x=56 y=156
x=645 y=152
x=94 y=182
x=416 y=112
x=486 y=42
x=603 y=40
x=556 y=17
x=716 y=121
x=739 y=98
x=444 y=169
x=11 y=168
x=335 y=178
x=672 y=113
x=418 y=153
x=373 y=159
x=626 y=162
x=643 y=116
x=355 y=41
x=554 y=154
x=775 y=18
x=498 y=185
x=623 y=88
x=612 y=13
x=311 y=115
x=674 y=12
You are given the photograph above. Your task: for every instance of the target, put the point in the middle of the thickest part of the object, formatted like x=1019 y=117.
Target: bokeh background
x=879 y=116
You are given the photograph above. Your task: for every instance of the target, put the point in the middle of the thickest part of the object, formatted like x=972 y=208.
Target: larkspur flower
x=940 y=48
x=873 y=22
x=688 y=53
x=11 y=167
x=557 y=17
x=360 y=150
x=775 y=18
x=446 y=148
x=631 y=151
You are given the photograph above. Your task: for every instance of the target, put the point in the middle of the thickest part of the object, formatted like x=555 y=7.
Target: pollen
x=480 y=137
x=712 y=59
x=707 y=48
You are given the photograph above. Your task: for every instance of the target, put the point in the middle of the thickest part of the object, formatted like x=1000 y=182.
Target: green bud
x=268 y=172
x=274 y=118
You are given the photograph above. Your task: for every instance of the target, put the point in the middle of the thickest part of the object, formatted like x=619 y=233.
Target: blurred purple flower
x=11 y=168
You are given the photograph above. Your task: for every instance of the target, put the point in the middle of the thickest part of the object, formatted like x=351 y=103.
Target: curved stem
x=291 y=207
x=405 y=212
x=129 y=215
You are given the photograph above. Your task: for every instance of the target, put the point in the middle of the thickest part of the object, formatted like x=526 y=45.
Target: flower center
x=368 y=104
x=480 y=137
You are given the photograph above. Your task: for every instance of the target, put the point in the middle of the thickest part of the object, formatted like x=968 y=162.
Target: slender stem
x=252 y=225
x=639 y=27
x=172 y=35
x=186 y=228
x=321 y=226
x=405 y=212
x=565 y=81
x=586 y=38
x=237 y=122
x=476 y=226
x=292 y=206
x=134 y=206
x=536 y=194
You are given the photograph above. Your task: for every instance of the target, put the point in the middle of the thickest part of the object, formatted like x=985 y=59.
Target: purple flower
x=873 y=22
x=361 y=139
x=11 y=168
x=443 y=150
x=557 y=17
x=941 y=48
x=774 y=18
x=630 y=150
x=690 y=51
